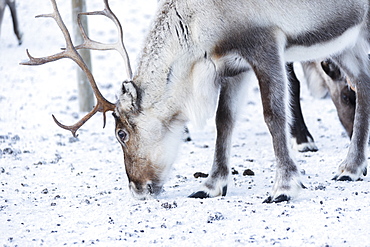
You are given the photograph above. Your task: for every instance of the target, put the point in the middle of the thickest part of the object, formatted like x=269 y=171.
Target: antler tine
x=76 y=126
x=70 y=52
x=39 y=61
x=94 y=45
x=42 y=60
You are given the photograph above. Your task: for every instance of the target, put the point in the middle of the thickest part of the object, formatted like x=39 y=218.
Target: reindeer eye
x=122 y=135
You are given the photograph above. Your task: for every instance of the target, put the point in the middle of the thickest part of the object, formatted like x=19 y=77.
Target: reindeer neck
x=167 y=44
x=175 y=75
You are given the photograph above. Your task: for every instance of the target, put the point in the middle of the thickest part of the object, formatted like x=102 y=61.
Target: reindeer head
x=144 y=137
x=140 y=171
x=149 y=143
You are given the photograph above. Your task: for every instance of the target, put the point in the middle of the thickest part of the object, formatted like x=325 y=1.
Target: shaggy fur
x=196 y=58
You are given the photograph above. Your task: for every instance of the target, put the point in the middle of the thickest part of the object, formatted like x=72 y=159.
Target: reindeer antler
x=70 y=52
x=94 y=45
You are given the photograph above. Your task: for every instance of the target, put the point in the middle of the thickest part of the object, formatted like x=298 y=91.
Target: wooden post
x=85 y=93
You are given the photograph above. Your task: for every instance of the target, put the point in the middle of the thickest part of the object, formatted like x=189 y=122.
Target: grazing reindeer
x=322 y=77
x=13 y=11
x=198 y=55
x=341 y=92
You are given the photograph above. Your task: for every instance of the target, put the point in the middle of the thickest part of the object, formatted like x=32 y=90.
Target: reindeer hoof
x=281 y=198
x=202 y=194
x=268 y=200
x=344 y=178
x=349 y=172
x=347 y=178
x=199 y=195
x=305 y=146
x=305 y=149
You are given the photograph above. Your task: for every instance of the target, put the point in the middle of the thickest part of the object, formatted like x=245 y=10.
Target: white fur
x=324 y=50
x=294 y=185
x=217 y=186
x=303 y=147
x=316 y=79
x=202 y=102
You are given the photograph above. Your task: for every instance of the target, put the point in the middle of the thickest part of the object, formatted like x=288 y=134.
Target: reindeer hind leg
x=302 y=138
x=356 y=65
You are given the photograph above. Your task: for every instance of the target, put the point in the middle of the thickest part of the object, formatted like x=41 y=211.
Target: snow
x=57 y=190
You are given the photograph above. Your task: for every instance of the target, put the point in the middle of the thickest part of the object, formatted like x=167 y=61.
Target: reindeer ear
x=128 y=98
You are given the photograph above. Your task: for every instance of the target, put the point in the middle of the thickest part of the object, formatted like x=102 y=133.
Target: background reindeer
x=322 y=78
x=198 y=56
x=13 y=11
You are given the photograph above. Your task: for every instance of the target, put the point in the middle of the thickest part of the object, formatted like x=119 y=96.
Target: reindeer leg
x=2 y=8
x=302 y=138
x=356 y=65
x=13 y=12
x=272 y=78
x=216 y=183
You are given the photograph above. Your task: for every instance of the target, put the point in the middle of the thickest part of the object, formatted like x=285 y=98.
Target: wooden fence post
x=85 y=93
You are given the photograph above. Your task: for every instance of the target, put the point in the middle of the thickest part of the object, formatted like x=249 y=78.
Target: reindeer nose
x=144 y=191
x=150 y=188
x=136 y=187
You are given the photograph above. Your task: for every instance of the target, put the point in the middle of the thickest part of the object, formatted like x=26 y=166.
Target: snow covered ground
x=57 y=190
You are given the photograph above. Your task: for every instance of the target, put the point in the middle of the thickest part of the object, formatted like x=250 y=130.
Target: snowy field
x=56 y=190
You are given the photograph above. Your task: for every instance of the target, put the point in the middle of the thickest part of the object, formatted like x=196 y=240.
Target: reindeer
x=198 y=57
x=13 y=11
x=322 y=78
x=341 y=91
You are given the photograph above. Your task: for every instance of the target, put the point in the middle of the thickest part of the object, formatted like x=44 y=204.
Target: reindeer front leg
x=216 y=183
x=273 y=85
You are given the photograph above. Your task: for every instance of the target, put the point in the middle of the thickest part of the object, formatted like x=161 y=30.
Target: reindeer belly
x=315 y=48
